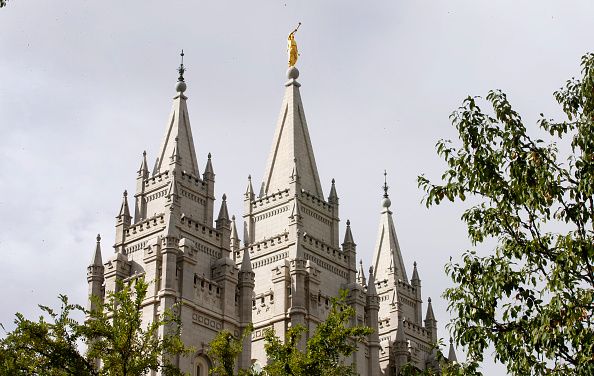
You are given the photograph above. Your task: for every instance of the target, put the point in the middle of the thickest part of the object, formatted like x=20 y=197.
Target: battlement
x=326 y=250
x=401 y=285
x=145 y=225
x=315 y=200
x=263 y=245
x=264 y=200
x=204 y=229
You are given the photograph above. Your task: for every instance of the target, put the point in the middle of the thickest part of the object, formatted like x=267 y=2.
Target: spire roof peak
x=223 y=213
x=387 y=258
x=124 y=212
x=97 y=261
x=178 y=127
x=452 y=352
x=291 y=147
x=246 y=263
x=348 y=235
x=429 y=316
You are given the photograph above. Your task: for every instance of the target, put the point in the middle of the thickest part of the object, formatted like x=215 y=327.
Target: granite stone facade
x=288 y=266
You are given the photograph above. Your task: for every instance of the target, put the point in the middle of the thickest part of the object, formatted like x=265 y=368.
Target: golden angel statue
x=292 y=47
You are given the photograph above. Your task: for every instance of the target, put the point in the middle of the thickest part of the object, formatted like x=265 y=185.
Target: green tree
x=532 y=297
x=114 y=335
x=224 y=350
x=46 y=347
x=333 y=340
x=284 y=357
x=125 y=346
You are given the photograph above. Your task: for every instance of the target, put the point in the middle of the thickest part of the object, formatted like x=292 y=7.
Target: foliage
x=118 y=338
x=113 y=333
x=333 y=340
x=224 y=350
x=45 y=347
x=3 y=3
x=532 y=298
x=284 y=357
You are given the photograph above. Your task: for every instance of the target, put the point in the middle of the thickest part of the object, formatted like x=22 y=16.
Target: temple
x=284 y=271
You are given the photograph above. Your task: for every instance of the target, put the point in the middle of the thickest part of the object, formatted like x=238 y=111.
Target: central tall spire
x=178 y=137
x=291 y=146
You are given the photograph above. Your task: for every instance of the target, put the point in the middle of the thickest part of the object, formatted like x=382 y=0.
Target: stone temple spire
x=452 y=353
x=178 y=128
x=387 y=258
x=292 y=146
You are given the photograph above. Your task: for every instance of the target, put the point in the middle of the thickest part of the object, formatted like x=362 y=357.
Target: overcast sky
x=86 y=86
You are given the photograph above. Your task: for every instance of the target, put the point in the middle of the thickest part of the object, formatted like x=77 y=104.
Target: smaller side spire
x=295 y=212
x=97 y=260
x=430 y=322
x=143 y=170
x=430 y=316
x=333 y=197
x=246 y=234
x=361 y=275
x=223 y=225
x=96 y=277
x=261 y=193
x=371 y=290
x=234 y=237
x=172 y=191
x=246 y=263
x=223 y=212
x=415 y=280
x=209 y=174
x=295 y=172
x=123 y=221
x=452 y=353
x=175 y=155
x=124 y=213
x=249 y=191
x=348 y=235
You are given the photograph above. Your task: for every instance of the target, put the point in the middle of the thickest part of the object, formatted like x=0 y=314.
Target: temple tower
x=173 y=242
x=292 y=231
x=403 y=337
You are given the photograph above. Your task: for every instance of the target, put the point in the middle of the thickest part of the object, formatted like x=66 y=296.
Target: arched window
x=201 y=366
